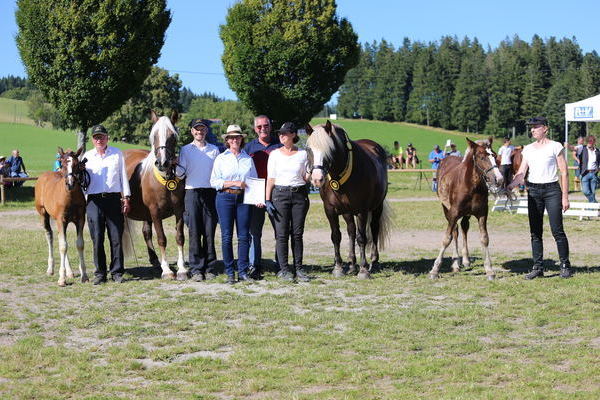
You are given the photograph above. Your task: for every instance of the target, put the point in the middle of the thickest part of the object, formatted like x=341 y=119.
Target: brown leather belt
x=232 y=191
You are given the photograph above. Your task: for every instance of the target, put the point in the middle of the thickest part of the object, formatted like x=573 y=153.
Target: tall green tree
x=383 y=85
x=286 y=59
x=401 y=86
x=159 y=92
x=446 y=68
x=89 y=56
x=590 y=74
x=470 y=103
x=507 y=68
x=423 y=98
x=536 y=80
x=565 y=90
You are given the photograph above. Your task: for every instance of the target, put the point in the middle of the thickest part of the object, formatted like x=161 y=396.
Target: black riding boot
x=301 y=275
x=537 y=271
x=566 y=271
x=285 y=274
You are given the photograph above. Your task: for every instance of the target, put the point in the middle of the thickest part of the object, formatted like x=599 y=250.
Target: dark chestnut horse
x=463 y=185
x=352 y=178
x=156 y=193
x=59 y=195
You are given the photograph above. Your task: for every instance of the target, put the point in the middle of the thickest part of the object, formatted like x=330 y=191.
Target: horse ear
x=308 y=129
x=79 y=151
x=174 y=117
x=153 y=116
x=471 y=143
x=61 y=151
x=490 y=140
x=328 y=128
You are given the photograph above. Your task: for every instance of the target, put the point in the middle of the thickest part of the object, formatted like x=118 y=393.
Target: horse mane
x=159 y=131
x=320 y=140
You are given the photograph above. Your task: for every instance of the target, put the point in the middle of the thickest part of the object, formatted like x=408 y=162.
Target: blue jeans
x=547 y=196
x=589 y=182
x=230 y=208
x=257 y=221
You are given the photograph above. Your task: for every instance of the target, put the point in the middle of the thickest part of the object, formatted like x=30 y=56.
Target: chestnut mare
x=463 y=185
x=156 y=193
x=59 y=195
x=352 y=178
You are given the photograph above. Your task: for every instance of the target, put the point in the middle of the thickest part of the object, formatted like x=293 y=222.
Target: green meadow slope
x=38 y=145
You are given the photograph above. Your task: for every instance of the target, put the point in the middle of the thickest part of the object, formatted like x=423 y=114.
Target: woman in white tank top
x=543 y=159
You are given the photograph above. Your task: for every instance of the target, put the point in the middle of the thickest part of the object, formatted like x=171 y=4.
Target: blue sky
x=193 y=47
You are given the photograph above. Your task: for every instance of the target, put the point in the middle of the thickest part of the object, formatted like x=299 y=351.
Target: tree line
x=460 y=85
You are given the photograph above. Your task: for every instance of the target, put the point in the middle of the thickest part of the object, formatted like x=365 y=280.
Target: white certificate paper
x=254 y=193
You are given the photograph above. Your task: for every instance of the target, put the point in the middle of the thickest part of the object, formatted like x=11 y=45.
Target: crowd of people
x=214 y=194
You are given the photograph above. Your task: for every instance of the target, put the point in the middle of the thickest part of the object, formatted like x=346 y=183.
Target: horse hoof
x=49 y=273
x=456 y=270
x=71 y=276
x=491 y=277
x=62 y=283
x=167 y=275
x=364 y=275
x=338 y=273
x=84 y=279
x=182 y=276
x=434 y=276
x=352 y=270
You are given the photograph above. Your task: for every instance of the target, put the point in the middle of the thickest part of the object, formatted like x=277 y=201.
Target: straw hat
x=233 y=130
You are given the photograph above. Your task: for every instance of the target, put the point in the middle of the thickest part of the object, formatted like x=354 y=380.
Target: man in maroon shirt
x=259 y=150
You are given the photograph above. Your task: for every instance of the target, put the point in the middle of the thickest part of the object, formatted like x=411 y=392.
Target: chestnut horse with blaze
x=463 y=185
x=156 y=193
x=59 y=195
x=352 y=180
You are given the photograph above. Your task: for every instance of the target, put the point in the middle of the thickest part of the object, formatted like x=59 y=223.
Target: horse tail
x=127 y=239
x=385 y=225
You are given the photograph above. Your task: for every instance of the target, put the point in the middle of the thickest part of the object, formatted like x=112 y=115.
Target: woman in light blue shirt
x=230 y=170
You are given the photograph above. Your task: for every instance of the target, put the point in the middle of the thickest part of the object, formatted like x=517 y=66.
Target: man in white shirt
x=107 y=201
x=505 y=153
x=196 y=162
x=589 y=158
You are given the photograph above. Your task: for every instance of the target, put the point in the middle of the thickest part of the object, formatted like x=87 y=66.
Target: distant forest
x=460 y=85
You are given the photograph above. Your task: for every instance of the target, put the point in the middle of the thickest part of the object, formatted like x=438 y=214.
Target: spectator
x=435 y=157
x=196 y=159
x=505 y=153
x=575 y=152
x=259 y=149
x=56 y=167
x=5 y=170
x=230 y=170
x=543 y=159
x=17 y=167
x=397 y=156
x=453 y=151
x=411 y=156
x=107 y=201
x=589 y=158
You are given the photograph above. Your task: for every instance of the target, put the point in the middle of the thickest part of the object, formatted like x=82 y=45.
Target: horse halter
x=80 y=175
x=336 y=184
x=484 y=172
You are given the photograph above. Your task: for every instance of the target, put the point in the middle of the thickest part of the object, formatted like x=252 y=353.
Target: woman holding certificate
x=230 y=170
x=287 y=200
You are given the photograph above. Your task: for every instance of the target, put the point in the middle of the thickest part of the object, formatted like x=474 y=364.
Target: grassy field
x=399 y=335
x=14 y=111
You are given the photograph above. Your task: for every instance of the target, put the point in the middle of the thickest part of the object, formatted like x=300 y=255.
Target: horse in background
x=59 y=195
x=352 y=180
x=463 y=186
x=156 y=192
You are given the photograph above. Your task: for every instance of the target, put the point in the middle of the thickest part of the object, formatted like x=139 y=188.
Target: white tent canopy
x=586 y=110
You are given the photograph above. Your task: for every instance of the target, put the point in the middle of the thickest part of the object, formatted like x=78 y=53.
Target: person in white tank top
x=543 y=159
